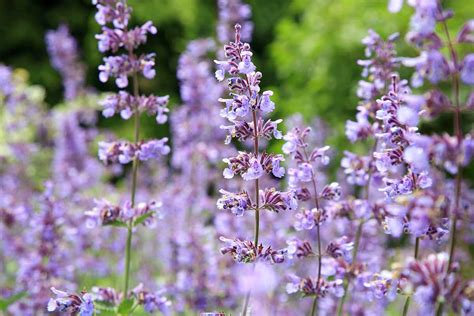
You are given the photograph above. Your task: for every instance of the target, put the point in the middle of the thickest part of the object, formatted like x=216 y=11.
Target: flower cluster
x=124 y=152
x=233 y=12
x=246 y=251
x=303 y=178
x=378 y=70
x=248 y=102
x=426 y=280
x=251 y=167
x=63 y=51
x=105 y=213
x=71 y=303
x=121 y=40
x=152 y=302
x=385 y=231
x=310 y=287
x=399 y=118
x=126 y=104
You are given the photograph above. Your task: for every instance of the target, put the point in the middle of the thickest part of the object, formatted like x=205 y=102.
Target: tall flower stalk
x=433 y=66
x=305 y=172
x=244 y=109
x=124 y=64
x=359 y=170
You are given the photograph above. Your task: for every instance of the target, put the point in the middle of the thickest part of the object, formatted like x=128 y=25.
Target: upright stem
x=257 y=200
x=318 y=235
x=407 y=302
x=128 y=248
x=358 y=234
x=458 y=133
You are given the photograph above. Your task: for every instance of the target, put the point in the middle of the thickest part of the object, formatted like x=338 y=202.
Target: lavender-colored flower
x=466 y=34
x=331 y=192
x=233 y=12
x=123 y=66
x=430 y=65
x=277 y=201
x=106 y=213
x=467 y=71
x=127 y=105
x=308 y=219
x=112 y=11
x=310 y=287
x=299 y=248
x=429 y=283
x=107 y=295
x=361 y=129
x=356 y=168
x=63 y=51
x=152 y=302
x=113 y=39
x=124 y=152
x=341 y=248
x=252 y=168
x=6 y=84
x=381 y=286
x=236 y=203
x=71 y=303
x=247 y=251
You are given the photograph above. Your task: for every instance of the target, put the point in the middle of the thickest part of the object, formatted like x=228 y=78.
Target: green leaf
x=142 y=218
x=105 y=308
x=4 y=303
x=125 y=307
x=116 y=223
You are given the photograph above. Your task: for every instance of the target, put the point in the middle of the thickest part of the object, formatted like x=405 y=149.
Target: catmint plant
x=452 y=153
x=124 y=63
x=361 y=172
x=244 y=110
x=303 y=179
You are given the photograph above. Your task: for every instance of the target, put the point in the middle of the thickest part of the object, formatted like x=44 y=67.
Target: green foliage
x=143 y=218
x=4 y=303
x=125 y=307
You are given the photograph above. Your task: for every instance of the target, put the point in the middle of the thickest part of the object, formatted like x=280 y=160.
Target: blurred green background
x=306 y=49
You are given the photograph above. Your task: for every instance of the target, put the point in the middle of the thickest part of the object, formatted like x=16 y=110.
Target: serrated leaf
x=125 y=307
x=4 y=303
x=142 y=218
x=116 y=223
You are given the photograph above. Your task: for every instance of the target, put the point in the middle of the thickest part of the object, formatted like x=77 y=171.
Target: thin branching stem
x=407 y=301
x=257 y=200
x=318 y=234
x=128 y=247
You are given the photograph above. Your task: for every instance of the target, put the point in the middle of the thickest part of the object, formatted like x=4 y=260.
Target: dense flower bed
x=238 y=210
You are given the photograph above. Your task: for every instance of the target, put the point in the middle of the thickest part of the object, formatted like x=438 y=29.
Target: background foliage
x=307 y=49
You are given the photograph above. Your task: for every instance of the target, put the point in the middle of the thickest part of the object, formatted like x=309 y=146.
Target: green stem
x=246 y=304
x=315 y=303
x=128 y=247
x=257 y=199
x=318 y=234
x=257 y=202
x=407 y=302
x=127 y=260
